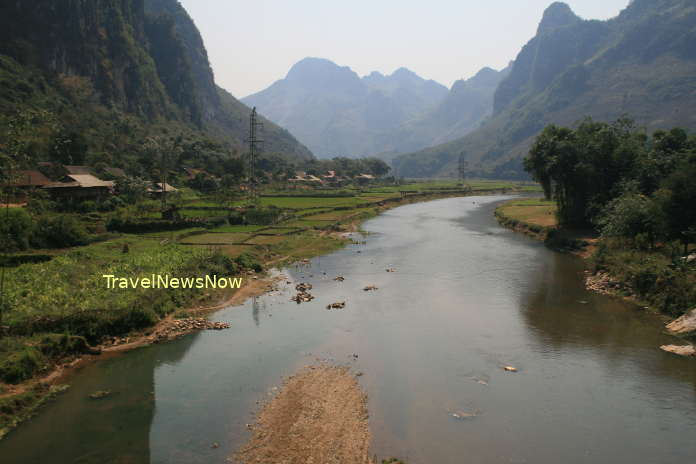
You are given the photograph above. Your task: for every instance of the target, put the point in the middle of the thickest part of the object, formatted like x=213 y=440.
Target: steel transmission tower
x=463 y=165
x=255 y=148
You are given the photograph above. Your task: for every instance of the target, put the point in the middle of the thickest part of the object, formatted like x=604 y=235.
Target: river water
x=467 y=298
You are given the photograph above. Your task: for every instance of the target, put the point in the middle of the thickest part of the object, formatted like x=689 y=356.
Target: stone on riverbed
x=685 y=350
x=685 y=324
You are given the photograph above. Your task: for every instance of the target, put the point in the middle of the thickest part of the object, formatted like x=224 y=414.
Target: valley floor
x=66 y=296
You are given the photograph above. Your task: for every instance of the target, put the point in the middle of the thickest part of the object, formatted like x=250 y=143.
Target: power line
x=255 y=148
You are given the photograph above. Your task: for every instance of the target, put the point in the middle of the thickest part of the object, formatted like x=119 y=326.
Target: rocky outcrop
x=685 y=325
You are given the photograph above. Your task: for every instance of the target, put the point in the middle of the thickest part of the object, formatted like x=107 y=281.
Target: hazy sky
x=253 y=43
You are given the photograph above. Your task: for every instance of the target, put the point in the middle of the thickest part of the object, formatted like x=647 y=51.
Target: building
x=23 y=182
x=80 y=187
x=159 y=188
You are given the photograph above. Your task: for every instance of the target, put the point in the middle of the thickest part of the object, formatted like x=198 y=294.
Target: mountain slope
x=335 y=112
x=114 y=72
x=465 y=107
x=220 y=112
x=641 y=64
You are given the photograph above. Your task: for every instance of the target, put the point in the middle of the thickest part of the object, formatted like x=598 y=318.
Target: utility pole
x=463 y=165
x=163 y=178
x=8 y=182
x=255 y=147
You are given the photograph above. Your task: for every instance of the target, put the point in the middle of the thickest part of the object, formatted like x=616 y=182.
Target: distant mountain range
x=641 y=64
x=335 y=112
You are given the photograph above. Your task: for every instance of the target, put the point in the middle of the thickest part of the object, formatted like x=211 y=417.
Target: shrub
x=15 y=229
x=58 y=231
x=248 y=261
x=20 y=365
x=57 y=345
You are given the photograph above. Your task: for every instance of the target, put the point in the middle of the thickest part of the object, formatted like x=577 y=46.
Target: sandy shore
x=319 y=416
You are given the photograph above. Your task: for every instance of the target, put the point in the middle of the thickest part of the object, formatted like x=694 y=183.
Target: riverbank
x=646 y=278
x=245 y=247
x=320 y=415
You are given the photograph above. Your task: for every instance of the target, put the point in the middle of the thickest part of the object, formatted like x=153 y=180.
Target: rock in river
x=685 y=350
x=685 y=324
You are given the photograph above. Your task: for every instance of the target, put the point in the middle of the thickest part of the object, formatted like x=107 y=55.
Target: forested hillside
x=93 y=80
x=641 y=64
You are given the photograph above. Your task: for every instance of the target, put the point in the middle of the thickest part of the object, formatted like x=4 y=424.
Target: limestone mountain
x=641 y=64
x=116 y=69
x=335 y=112
x=468 y=103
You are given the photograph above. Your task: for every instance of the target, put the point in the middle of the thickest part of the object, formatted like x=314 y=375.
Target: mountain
x=468 y=103
x=223 y=114
x=335 y=112
x=641 y=64
x=117 y=71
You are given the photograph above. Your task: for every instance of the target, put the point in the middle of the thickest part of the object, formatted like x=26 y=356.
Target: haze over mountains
x=99 y=65
x=335 y=112
x=641 y=64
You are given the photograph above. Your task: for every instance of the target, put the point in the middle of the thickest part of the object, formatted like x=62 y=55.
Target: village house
x=158 y=189
x=23 y=182
x=80 y=187
x=303 y=177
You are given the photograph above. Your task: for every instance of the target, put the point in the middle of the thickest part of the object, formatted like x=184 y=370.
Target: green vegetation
x=573 y=68
x=58 y=306
x=637 y=191
x=614 y=177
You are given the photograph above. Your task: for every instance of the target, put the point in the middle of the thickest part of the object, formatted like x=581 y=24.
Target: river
x=467 y=298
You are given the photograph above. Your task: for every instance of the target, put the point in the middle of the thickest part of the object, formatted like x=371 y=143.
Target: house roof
x=29 y=179
x=88 y=180
x=159 y=189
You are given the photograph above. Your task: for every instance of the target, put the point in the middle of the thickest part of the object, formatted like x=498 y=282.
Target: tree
x=14 y=154
x=633 y=216
x=131 y=189
x=376 y=166
x=680 y=200
x=68 y=147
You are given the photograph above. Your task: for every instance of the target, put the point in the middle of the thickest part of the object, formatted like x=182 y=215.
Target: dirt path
x=319 y=416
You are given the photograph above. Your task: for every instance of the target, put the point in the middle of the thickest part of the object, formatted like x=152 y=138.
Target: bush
x=58 y=231
x=20 y=365
x=15 y=229
x=248 y=261
x=57 y=345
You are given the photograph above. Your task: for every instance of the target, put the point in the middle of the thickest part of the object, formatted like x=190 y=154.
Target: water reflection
x=115 y=429
x=562 y=314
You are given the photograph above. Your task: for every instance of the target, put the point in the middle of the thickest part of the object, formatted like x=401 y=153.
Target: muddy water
x=467 y=299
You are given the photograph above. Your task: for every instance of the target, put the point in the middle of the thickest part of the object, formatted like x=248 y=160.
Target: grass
x=535 y=212
x=223 y=238
x=657 y=277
